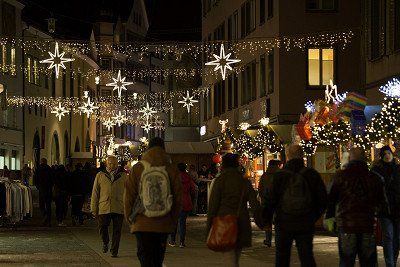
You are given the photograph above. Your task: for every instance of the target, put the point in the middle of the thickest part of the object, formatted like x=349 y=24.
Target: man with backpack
x=107 y=203
x=297 y=198
x=153 y=200
x=354 y=198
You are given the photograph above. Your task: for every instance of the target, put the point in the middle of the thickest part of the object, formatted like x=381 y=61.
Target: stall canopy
x=189 y=148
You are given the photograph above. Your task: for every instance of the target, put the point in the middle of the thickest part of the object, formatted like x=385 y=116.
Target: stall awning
x=82 y=155
x=284 y=132
x=189 y=148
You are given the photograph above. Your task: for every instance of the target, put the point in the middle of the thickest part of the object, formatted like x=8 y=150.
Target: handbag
x=224 y=231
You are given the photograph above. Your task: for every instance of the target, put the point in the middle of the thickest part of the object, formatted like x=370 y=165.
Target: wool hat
x=383 y=149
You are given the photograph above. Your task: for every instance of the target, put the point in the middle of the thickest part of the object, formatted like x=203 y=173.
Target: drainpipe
x=23 y=91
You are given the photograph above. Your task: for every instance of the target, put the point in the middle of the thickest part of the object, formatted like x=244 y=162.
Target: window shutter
x=390 y=14
x=368 y=29
x=382 y=35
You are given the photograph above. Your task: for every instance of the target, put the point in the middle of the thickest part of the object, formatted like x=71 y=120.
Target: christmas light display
x=109 y=123
x=57 y=60
x=59 y=111
x=188 y=101
x=119 y=84
x=222 y=62
x=88 y=107
x=119 y=119
x=244 y=145
x=391 y=89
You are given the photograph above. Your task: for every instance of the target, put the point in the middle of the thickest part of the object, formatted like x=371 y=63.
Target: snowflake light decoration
x=340 y=98
x=60 y=111
x=391 y=89
x=57 y=60
x=119 y=84
x=188 y=101
x=222 y=62
x=148 y=111
x=88 y=107
x=147 y=126
x=120 y=118
x=109 y=123
x=264 y=121
x=309 y=106
x=244 y=126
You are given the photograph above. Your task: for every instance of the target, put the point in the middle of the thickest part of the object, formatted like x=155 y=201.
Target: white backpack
x=155 y=190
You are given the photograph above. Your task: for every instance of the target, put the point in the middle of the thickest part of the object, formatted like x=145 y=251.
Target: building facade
x=277 y=83
x=11 y=79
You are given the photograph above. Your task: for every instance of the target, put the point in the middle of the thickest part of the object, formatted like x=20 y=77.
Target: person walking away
x=202 y=199
x=355 y=196
x=188 y=189
x=196 y=180
x=107 y=203
x=44 y=183
x=26 y=174
x=389 y=172
x=153 y=200
x=77 y=192
x=60 y=194
x=297 y=199
x=263 y=186
x=230 y=194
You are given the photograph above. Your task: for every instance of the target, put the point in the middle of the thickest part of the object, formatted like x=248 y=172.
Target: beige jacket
x=166 y=224
x=108 y=195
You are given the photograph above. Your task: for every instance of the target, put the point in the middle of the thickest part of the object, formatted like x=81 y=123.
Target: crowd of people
x=65 y=186
x=156 y=198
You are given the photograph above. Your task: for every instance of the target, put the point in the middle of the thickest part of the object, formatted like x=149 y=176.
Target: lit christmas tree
x=226 y=137
x=244 y=145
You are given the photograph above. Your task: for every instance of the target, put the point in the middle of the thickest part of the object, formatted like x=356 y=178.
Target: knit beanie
x=383 y=149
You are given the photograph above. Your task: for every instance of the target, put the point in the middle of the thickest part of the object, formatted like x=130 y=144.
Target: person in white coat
x=107 y=203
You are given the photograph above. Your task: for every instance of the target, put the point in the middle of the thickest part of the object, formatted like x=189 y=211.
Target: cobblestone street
x=29 y=245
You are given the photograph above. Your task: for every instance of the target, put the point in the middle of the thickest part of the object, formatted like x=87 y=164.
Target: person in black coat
x=60 y=194
x=44 y=180
x=77 y=190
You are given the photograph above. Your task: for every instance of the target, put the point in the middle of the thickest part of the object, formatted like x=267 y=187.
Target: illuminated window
x=4 y=58
x=28 y=69
x=35 y=72
x=320 y=66
x=2 y=158
x=13 y=67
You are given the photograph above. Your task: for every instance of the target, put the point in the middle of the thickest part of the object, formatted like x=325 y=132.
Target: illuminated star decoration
x=88 y=107
x=119 y=84
x=147 y=126
x=222 y=62
x=59 y=111
x=223 y=124
x=391 y=89
x=264 y=121
x=109 y=123
x=120 y=118
x=57 y=60
x=148 y=111
x=309 y=106
x=188 y=101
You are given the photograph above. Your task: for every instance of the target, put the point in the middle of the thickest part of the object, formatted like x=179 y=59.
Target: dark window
x=375 y=28
x=45 y=112
x=71 y=84
x=249 y=83
x=268 y=108
x=230 y=28
x=53 y=84
x=205 y=100
x=219 y=33
x=223 y=98
x=230 y=91
x=236 y=91
x=79 y=84
x=263 y=78
x=397 y=24
x=30 y=109
x=46 y=81
x=321 y=4
x=270 y=8
x=216 y=99
x=41 y=111
x=64 y=84
x=262 y=11
x=270 y=71
x=248 y=17
x=36 y=109
x=8 y=19
x=105 y=63
x=243 y=21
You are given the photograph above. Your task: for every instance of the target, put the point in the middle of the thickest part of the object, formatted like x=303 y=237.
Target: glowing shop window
x=327 y=66
x=4 y=58
x=13 y=67
x=35 y=72
x=28 y=69
x=313 y=67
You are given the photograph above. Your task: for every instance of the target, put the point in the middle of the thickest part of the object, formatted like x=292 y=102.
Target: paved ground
x=30 y=245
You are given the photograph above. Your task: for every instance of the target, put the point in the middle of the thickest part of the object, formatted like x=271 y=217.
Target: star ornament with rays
x=119 y=119
x=119 y=84
x=59 y=111
x=88 y=107
x=109 y=123
x=147 y=111
x=147 y=126
x=222 y=62
x=188 y=101
x=57 y=60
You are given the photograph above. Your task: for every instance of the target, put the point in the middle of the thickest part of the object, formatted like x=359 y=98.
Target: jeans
x=151 y=248
x=390 y=236
x=304 y=244
x=361 y=245
x=231 y=258
x=45 y=205
x=76 y=209
x=268 y=238
x=182 y=228
x=104 y=223
x=61 y=207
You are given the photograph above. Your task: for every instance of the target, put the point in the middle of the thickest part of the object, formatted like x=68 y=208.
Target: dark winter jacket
x=265 y=183
x=187 y=191
x=390 y=175
x=356 y=194
x=44 y=179
x=224 y=200
x=77 y=183
x=290 y=222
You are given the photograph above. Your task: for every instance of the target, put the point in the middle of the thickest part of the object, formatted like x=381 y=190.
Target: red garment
x=187 y=190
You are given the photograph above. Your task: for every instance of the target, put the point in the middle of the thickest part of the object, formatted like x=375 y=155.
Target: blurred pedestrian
x=107 y=203
x=44 y=183
x=26 y=174
x=196 y=180
x=60 y=194
x=77 y=192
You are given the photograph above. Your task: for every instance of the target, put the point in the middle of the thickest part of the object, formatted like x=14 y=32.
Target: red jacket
x=187 y=190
